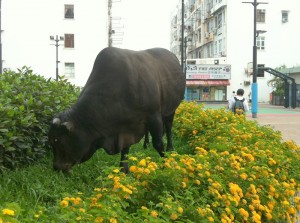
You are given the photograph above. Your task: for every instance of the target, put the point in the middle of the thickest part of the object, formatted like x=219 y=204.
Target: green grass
x=39 y=188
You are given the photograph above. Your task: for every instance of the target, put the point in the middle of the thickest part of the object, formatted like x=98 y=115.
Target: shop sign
x=208 y=71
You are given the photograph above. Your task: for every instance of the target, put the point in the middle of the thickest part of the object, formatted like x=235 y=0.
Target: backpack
x=238 y=106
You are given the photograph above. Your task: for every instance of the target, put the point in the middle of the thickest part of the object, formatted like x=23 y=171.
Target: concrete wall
x=28 y=24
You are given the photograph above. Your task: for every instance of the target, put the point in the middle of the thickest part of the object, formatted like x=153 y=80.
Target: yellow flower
x=116 y=170
x=99 y=220
x=133 y=169
x=154 y=214
x=180 y=210
x=133 y=158
x=244 y=176
x=8 y=212
x=272 y=161
x=82 y=210
x=201 y=211
x=142 y=162
x=244 y=213
x=76 y=200
x=183 y=184
x=256 y=217
x=174 y=216
x=269 y=216
x=113 y=220
x=64 y=203
x=211 y=219
x=147 y=171
x=286 y=203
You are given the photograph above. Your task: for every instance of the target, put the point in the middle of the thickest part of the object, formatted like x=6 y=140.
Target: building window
x=69 y=70
x=260 y=15
x=285 y=16
x=260 y=42
x=216 y=47
x=69 y=11
x=69 y=40
x=219 y=20
x=220 y=47
x=260 y=73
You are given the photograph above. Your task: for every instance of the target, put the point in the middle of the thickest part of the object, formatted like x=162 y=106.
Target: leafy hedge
x=27 y=105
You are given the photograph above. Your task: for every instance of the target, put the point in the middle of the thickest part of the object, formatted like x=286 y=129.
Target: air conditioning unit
x=247 y=83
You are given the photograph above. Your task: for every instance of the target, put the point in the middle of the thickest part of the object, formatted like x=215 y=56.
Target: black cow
x=127 y=94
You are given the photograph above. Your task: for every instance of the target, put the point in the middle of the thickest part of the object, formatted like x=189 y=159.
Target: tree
x=277 y=83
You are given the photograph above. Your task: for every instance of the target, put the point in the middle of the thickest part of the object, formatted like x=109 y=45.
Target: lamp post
x=0 y=40
x=254 y=87
x=56 y=39
x=182 y=35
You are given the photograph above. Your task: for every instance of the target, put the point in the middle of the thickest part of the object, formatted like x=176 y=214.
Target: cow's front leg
x=156 y=130
x=124 y=160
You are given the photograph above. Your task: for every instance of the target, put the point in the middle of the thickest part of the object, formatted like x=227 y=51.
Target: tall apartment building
x=219 y=40
x=81 y=28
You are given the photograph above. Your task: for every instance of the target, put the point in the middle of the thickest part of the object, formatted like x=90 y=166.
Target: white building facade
x=28 y=25
x=219 y=40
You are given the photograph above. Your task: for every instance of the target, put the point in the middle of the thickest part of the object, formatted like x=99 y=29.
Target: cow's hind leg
x=168 y=122
x=124 y=160
x=146 y=140
x=156 y=131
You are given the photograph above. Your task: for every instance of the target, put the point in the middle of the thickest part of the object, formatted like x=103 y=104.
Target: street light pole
x=0 y=39
x=56 y=45
x=254 y=87
x=182 y=35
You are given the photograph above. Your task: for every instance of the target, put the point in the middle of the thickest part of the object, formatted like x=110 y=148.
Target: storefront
x=207 y=82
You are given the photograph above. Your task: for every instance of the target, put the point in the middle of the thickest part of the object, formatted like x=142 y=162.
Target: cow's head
x=70 y=144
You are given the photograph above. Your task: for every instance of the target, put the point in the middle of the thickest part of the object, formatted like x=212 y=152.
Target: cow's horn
x=56 y=121
x=69 y=125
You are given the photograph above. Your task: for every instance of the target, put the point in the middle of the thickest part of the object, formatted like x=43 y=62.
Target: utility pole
x=254 y=87
x=182 y=35
x=0 y=39
x=57 y=45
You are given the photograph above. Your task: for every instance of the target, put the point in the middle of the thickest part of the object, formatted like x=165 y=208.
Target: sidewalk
x=285 y=120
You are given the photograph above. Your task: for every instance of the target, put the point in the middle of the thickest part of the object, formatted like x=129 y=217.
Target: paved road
x=285 y=120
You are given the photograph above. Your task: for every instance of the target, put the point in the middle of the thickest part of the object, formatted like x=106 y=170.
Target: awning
x=207 y=82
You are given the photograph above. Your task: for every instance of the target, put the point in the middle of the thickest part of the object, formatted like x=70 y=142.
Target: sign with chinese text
x=208 y=71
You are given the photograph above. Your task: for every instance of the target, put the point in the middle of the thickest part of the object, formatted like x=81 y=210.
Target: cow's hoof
x=170 y=149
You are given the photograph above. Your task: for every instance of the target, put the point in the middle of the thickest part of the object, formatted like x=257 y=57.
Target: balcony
x=218 y=6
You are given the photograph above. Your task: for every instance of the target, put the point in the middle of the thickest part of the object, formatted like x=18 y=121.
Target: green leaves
x=26 y=108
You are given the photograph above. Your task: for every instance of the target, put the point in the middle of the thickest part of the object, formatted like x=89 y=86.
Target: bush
x=27 y=104
x=235 y=171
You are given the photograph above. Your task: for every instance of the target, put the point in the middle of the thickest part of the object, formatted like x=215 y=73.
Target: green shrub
x=27 y=104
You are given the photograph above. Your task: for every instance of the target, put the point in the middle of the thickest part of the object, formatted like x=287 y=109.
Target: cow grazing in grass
x=127 y=94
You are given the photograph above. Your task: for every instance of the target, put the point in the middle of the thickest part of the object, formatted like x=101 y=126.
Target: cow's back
x=149 y=80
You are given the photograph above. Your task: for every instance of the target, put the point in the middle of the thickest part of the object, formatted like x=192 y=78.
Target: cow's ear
x=69 y=126
x=56 y=121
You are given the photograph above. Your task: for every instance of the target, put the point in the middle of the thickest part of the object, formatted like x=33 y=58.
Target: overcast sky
x=146 y=22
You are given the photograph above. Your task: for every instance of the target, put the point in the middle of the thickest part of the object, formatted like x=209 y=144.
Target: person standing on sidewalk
x=238 y=99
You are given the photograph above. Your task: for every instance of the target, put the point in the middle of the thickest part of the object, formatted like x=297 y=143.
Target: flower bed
x=233 y=170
